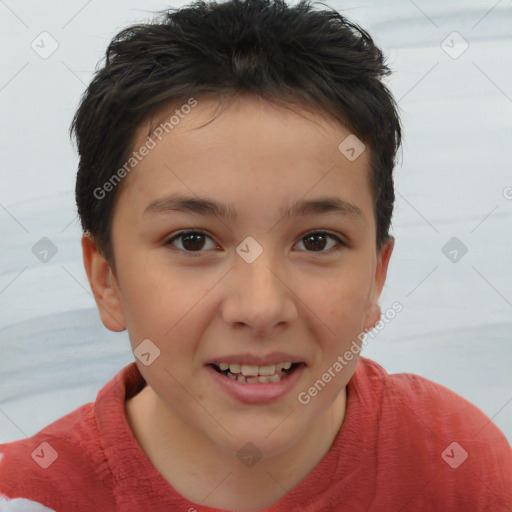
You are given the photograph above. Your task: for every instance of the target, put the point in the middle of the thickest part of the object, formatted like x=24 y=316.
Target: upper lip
x=265 y=360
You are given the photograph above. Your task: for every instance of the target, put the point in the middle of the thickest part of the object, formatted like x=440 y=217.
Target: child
x=235 y=190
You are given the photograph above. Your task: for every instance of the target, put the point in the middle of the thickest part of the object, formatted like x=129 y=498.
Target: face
x=242 y=245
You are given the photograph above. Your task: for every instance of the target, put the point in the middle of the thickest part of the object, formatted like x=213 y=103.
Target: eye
x=318 y=240
x=193 y=241
x=190 y=241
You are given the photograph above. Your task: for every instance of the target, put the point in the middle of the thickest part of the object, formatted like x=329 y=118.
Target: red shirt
x=406 y=444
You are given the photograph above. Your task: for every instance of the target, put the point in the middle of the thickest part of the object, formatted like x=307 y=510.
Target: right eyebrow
x=189 y=204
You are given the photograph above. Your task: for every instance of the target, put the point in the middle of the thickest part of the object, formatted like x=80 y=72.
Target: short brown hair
x=282 y=53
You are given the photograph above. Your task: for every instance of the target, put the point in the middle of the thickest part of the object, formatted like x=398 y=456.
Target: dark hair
x=285 y=54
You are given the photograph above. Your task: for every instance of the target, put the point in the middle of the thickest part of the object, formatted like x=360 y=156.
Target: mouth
x=252 y=374
x=251 y=384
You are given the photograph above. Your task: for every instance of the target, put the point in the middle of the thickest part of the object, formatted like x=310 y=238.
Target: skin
x=309 y=303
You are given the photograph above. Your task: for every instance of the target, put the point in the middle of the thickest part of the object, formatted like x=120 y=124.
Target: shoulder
x=432 y=404
x=55 y=468
x=435 y=431
x=66 y=466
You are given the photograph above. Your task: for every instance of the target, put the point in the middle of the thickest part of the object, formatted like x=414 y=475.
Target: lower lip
x=258 y=393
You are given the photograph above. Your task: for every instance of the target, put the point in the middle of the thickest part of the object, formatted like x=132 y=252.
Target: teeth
x=250 y=370
x=252 y=374
x=268 y=370
x=234 y=368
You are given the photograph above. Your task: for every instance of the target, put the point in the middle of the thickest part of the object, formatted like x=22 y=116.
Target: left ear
x=373 y=312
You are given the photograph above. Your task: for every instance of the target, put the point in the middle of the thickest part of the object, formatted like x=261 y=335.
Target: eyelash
x=339 y=246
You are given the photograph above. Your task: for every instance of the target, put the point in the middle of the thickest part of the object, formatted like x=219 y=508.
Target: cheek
x=168 y=306
x=347 y=295
x=345 y=305
x=154 y=293
x=344 y=314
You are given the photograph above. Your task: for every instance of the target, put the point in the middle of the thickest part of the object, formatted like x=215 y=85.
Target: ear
x=104 y=286
x=373 y=312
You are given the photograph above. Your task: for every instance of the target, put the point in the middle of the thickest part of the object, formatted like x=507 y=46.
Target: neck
x=204 y=473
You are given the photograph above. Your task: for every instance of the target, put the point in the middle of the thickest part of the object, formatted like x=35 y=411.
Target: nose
x=258 y=298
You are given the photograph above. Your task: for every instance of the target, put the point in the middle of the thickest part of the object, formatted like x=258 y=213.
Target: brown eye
x=191 y=241
x=318 y=240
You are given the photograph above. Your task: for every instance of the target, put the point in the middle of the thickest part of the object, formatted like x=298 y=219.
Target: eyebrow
x=208 y=207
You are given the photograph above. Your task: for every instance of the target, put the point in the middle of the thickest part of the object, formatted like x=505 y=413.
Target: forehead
x=249 y=120
x=219 y=147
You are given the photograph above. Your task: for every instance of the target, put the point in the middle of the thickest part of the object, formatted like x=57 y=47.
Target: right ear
x=104 y=286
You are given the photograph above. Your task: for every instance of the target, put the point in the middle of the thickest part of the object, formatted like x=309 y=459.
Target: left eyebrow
x=325 y=205
x=208 y=207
